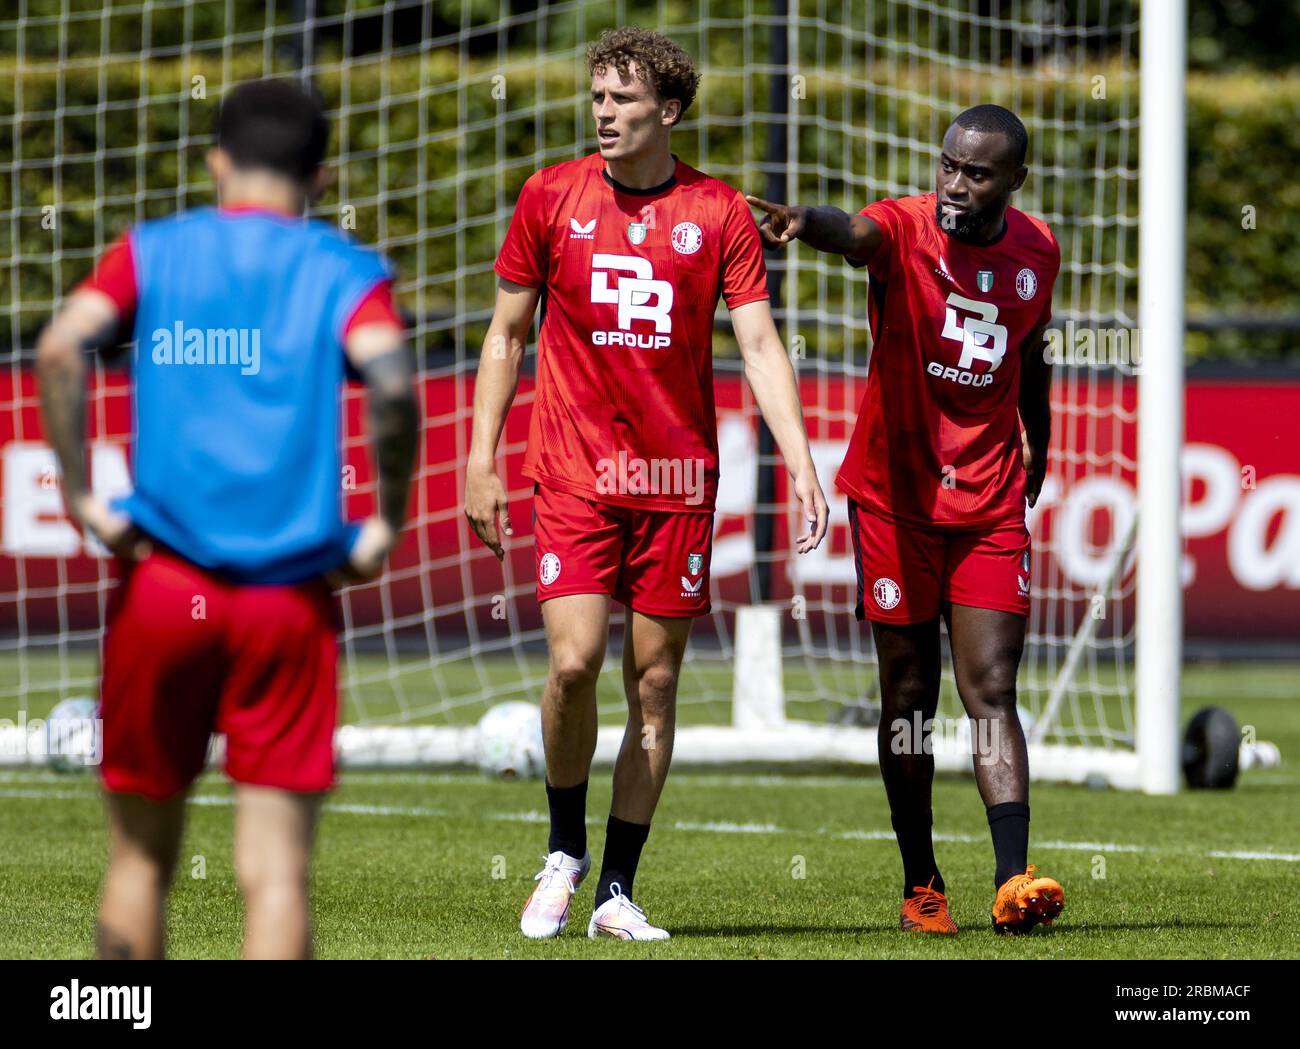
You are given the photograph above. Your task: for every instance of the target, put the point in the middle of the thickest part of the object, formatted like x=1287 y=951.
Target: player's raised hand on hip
x=485 y=498
x=110 y=527
x=373 y=545
x=781 y=224
x=808 y=490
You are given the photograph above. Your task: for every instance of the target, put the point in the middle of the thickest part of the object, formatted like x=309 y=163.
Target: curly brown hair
x=660 y=63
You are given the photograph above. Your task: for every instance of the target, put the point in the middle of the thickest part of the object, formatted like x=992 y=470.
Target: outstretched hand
x=781 y=223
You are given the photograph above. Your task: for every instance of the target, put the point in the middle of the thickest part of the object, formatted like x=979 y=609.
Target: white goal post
x=1161 y=239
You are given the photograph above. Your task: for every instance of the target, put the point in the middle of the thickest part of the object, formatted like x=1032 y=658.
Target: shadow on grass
x=721 y=931
x=1069 y=929
x=1054 y=931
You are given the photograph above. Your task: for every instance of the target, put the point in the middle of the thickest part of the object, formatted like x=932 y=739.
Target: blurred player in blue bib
x=245 y=319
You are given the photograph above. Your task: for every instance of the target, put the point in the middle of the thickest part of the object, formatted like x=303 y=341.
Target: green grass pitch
x=740 y=864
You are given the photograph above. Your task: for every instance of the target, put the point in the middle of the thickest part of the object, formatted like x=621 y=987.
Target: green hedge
x=432 y=162
x=1222 y=34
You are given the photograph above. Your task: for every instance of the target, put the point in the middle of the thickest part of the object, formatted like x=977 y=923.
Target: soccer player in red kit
x=633 y=248
x=938 y=472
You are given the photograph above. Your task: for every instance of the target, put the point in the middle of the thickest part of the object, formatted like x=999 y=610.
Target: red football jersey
x=937 y=440
x=624 y=409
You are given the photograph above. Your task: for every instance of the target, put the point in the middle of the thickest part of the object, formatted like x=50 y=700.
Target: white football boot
x=547 y=908
x=619 y=916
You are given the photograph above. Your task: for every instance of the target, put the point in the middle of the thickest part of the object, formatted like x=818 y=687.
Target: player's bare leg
x=274 y=830
x=144 y=837
x=652 y=661
x=909 y=695
x=577 y=630
x=986 y=649
x=909 y=688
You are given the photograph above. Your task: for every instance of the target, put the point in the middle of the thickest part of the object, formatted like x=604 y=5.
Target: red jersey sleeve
x=890 y=218
x=744 y=271
x=114 y=275
x=378 y=307
x=524 y=253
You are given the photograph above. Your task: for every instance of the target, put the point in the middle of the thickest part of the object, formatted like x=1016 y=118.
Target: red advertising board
x=1241 y=518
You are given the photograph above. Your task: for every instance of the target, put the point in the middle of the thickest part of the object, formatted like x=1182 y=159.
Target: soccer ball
x=73 y=735
x=509 y=743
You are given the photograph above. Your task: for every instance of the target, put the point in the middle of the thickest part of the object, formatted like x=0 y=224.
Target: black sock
x=568 y=819
x=1009 y=823
x=917 y=847
x=623 y=844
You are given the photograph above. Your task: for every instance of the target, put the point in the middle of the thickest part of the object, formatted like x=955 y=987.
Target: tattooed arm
x=378 y=353
x=87 y=322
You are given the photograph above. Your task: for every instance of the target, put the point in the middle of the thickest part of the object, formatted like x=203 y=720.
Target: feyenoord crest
x=636 y=232
x=887 y=593
x=550 y=569
x=694 y=563
x=1026 y=284
x=984 y=280
x=687 y=238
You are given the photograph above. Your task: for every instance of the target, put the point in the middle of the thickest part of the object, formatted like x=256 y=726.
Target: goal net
x=440 y=111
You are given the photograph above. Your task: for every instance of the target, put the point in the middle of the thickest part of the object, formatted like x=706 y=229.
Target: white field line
x=370 y=779
x=435 y=779
x=419 y=779
x=1290 y=857
x=475 y=778
x=723 y=827
x=727 y=827
x=222 y=801
x=34 y=792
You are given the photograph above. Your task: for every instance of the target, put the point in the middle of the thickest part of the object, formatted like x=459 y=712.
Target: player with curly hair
x=633 y=248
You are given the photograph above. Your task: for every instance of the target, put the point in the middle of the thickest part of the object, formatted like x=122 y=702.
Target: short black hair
x=996 y=120
x=273 y=124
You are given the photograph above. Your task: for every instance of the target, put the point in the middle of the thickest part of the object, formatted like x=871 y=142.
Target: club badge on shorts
x=693 y=587
x=887 y=593
x=549 y=570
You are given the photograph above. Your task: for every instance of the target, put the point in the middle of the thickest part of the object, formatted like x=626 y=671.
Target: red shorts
x=187 y=653
x=653 y=561
x=904 y=572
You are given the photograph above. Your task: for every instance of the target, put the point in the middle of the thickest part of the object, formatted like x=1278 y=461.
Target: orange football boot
x=927 y=911
x=1024 y=901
